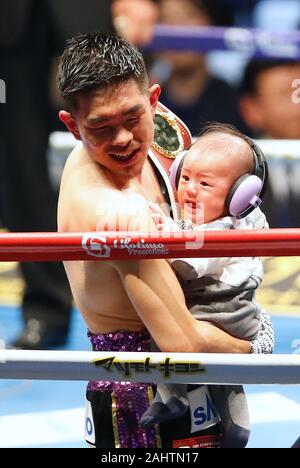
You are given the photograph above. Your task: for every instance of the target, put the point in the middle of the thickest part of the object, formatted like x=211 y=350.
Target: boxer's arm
x=158 y=299
x=156 y=295
x=151 y=284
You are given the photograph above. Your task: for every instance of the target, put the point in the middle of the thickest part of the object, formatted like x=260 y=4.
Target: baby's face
x=206 y=178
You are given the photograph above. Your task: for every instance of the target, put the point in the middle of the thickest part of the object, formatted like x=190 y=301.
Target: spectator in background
x=187 y=87
x=32 y=33
x=267 y=105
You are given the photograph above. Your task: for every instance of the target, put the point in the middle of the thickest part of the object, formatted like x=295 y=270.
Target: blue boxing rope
x=252 y=42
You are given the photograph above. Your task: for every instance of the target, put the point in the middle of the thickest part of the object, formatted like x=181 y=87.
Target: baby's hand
x=162 y=222
x=158 y=216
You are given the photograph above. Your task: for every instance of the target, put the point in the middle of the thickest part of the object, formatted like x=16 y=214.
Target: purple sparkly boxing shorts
x=115 y=408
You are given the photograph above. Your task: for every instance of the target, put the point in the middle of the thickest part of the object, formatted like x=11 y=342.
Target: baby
x=219 y=184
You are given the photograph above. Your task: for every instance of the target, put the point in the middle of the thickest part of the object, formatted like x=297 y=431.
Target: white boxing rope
x=62 y=141
x=280 y=149
x=150 y=367
x=273 y=149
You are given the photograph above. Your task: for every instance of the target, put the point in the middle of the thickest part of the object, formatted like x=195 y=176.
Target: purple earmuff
x=244 y=194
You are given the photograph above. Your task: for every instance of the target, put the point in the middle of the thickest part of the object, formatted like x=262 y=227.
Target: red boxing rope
x=32 y=247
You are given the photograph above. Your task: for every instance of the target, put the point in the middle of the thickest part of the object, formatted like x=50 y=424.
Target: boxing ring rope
x=32 y=247
x=153 y=367
x=253 y=42
x=150 y=367
x=273 y=149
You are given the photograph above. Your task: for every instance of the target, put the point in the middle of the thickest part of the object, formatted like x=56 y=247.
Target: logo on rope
x=239 y=39
x=264 y=43
x=96 y=246
x=275 y=45
x=166 y=367
x=141 y=247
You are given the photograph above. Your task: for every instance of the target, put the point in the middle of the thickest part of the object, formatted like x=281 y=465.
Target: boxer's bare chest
x=151 y=186
x=107 y=307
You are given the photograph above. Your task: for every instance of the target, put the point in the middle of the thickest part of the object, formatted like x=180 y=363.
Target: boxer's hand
x=135 y=19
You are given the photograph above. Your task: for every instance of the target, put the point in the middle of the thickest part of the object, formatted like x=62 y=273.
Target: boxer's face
x=115 y=125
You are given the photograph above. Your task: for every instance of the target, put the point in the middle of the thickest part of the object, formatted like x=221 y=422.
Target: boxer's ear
x=68 y=120
x=154 y=93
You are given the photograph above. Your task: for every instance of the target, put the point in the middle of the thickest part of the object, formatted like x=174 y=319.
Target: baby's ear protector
x=246 y=193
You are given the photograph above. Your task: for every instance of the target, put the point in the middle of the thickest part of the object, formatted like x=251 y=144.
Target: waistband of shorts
x=120 y=341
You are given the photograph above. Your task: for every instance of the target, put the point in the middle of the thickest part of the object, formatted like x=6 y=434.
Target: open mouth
x=192 y=205
x=123 y=157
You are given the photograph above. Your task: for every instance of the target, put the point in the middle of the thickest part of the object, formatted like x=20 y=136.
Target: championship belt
x=171 y=137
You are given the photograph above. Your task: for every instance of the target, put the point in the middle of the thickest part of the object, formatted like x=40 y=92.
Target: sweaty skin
x=96 y=191
x=97 y=286
x=99 y=190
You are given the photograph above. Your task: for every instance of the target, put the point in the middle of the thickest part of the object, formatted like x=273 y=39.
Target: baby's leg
x=170 y=402
x=231 y=403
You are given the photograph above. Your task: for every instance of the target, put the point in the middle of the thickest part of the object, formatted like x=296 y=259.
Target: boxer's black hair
x=98 y=60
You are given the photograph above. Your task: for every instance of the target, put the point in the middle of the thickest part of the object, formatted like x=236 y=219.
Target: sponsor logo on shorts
x=203 y=413
x=212 y=441
x=89 y=424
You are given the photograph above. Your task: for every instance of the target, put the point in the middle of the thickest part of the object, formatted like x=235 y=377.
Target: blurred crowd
x=253 y=95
